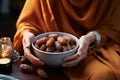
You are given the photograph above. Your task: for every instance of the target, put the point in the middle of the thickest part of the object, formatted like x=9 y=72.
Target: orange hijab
x=73 y=16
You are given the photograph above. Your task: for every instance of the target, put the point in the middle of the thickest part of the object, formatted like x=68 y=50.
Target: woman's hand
x=27 y=38
x=84 y=43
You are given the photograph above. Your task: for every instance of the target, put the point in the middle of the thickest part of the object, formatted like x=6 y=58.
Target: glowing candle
x=4 y=60
x=5 y=65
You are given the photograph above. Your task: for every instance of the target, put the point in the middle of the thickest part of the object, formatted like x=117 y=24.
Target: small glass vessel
x=6 y=52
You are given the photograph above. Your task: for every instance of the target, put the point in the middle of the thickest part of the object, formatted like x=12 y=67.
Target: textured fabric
x=103 y=64
x=78 y=17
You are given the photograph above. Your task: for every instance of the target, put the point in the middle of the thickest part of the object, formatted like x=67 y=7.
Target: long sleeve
x=28 y=20
x=70 y=16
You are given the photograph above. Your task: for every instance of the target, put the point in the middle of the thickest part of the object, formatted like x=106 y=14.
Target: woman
x=95 y=23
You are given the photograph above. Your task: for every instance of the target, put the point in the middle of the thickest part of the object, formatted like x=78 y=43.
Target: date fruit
x=42 y=73
x=27 y=68
x=55 y=43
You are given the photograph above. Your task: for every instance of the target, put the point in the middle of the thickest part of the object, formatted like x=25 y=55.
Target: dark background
x=8 y=19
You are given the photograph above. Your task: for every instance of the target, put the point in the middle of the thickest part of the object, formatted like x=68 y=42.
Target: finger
x=72 y=57
x=27 y=53
x=74 y=62
x=34 y=60
x=80 y=51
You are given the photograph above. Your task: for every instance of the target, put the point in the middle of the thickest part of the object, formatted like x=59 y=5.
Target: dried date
x=62 y=40
x=50 y=42
x=70 y=40
x=43 y=47
x=55 y=43
x=53 y=36
x=50 y=49
x=27 y=68
x=24 y=60
x=42 y=73
x=41 y=41
x=58 y=46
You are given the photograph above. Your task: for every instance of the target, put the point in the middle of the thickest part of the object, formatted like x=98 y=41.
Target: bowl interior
x=59 y=33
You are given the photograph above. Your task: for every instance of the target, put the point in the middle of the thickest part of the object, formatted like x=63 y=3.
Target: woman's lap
x=94 y=68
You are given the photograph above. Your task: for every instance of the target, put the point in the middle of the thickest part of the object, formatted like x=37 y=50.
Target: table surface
x=53 y=74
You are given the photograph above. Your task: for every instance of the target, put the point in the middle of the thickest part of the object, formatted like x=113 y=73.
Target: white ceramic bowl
x=54 y=59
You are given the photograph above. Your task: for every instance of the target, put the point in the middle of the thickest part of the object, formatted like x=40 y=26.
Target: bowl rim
x=62 y=33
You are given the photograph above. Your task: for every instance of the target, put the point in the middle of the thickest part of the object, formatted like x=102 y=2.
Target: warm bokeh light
x=4 y=54
x=4 y=60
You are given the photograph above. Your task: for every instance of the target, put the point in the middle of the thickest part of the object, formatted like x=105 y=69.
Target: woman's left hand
x=81 y=53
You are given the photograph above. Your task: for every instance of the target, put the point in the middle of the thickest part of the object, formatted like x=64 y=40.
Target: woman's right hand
x=27 y=39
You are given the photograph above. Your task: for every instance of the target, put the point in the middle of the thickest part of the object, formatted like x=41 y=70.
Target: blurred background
x=9 y=13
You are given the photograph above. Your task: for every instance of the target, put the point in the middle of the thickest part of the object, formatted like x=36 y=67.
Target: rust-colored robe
x=78 y=17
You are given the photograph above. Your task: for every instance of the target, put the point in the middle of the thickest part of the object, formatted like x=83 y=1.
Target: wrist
x=90 y=37
x=27 y=32
x=96 y=39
